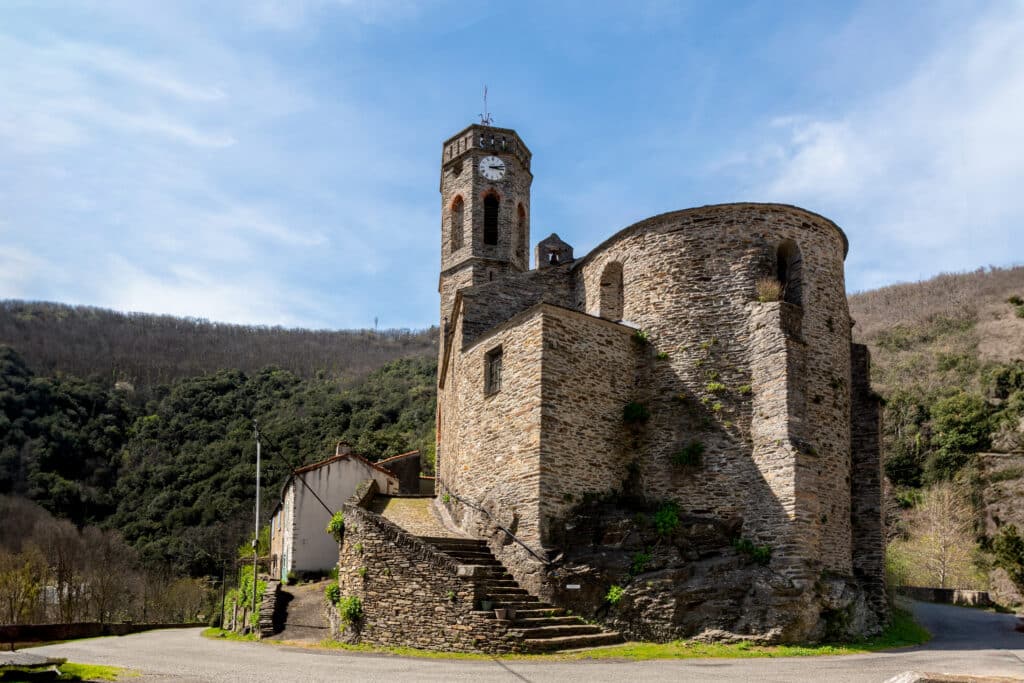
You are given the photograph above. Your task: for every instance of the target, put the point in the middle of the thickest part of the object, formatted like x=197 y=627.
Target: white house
x=298 y=540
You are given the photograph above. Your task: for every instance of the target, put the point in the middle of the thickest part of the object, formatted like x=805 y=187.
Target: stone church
x=651 y=416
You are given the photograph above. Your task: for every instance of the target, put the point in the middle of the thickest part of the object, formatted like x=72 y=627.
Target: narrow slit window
x=492 y=371
x=458 y=217
x=491 y=219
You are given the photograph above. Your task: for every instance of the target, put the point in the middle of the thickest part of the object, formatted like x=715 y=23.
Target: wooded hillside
x=148 y=350
x=948 y=358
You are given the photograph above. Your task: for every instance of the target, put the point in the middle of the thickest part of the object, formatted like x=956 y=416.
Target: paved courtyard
x=966 y=642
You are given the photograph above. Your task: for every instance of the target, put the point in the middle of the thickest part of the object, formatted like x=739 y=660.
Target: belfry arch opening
x=458 y=216
x=789 y=272
x=491 y=206
x=611 y=292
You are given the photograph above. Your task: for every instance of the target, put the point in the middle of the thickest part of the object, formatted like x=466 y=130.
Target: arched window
x=521 y=248
x=458 y=217
x=611 y=292
x=789 y=271
x=491 y=219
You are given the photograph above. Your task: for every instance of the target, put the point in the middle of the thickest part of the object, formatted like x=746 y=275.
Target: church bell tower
x=485 y=209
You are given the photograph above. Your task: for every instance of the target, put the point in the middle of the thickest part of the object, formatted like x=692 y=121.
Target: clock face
x=492 y=168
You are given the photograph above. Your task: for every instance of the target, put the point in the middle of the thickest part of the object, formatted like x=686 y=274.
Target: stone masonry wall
x=866 y=494
x=688 y=278
x=412 y=595
x=587 y=372
x=489 y=445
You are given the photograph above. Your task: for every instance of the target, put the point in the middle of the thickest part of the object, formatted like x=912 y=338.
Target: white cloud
x=186 y=290
x=925 y=176
x=19 y=272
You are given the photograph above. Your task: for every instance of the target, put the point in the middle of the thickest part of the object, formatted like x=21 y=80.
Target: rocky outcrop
x=699 y=580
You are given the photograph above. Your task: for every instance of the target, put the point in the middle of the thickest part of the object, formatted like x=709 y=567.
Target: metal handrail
x=515 y=538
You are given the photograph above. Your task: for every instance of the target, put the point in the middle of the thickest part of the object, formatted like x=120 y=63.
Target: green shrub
x=635 y=412
x=1008 y=548
x=333 y=574
x=332 y=593
x=714 y=387
x=1015 y=300
x=744 y=389
x=615 y=594
x=640 y=561
x=446 y=498
x=662 y=355
x=761 y=554
x=641 y=337
x=666 y=519
x=336 y=527
x=351 y=609
x=961 y=425
x=688 y=455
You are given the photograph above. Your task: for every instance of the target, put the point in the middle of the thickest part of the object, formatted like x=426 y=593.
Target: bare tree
x=21 y=581
x=939 y=548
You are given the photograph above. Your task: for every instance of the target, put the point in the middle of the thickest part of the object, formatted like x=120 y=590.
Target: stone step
x=571 y=642
x=468 y=543
x=515 y=594
x=496 y=584
x=580 y=628
x=469 y=557
x=535 y=612
x=519 y=603
x=532 y=622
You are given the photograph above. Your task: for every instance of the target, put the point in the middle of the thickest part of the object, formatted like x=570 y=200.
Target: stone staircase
x=542 y=626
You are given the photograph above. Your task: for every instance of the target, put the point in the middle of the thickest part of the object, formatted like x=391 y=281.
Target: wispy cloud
x=926 y=175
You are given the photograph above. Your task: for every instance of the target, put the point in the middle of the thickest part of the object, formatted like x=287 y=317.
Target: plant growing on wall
x=666 y=519
x=635 y=413
x=615 y=594
x=332 y=594
x=714 y=387
x=688 y=455
x=761 y=554
x=641 y=337
x=768 y=289
x=351 y=609
x=640 y=561
x=336 y=527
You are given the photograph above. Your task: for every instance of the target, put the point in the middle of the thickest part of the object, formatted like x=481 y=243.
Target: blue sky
x=276 y=161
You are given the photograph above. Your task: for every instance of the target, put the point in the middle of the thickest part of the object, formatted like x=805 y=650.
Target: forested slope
x=948 y=359
x=175 y=473
x=149 y=350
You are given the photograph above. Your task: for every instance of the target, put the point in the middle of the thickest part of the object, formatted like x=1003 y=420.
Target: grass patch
x=216 y=633
x=902 y=632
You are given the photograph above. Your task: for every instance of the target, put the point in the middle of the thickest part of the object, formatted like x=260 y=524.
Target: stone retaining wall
x=412 y=594
x=947 y=596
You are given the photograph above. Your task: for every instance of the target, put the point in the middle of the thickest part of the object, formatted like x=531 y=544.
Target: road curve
x=966 y=642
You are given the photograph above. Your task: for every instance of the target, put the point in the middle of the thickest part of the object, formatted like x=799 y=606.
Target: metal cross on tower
x=486 y=118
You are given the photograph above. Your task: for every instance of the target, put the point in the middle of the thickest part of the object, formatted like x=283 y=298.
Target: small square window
x=492 y=371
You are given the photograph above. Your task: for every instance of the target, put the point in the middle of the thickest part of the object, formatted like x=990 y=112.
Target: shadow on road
x=965 y=628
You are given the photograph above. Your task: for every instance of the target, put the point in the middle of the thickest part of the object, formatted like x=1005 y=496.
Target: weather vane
x=486 y=118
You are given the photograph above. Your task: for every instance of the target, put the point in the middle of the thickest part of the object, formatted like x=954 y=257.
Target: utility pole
x=223 y=579
x=256 y=538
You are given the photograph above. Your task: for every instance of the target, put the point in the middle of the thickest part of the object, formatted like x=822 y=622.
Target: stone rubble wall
x=866 y=495
x=412 y=594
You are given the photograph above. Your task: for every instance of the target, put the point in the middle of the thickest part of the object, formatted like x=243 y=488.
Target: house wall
x=309 y=547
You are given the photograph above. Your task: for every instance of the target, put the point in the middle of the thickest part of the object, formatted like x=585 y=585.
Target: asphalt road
x=965 y=641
